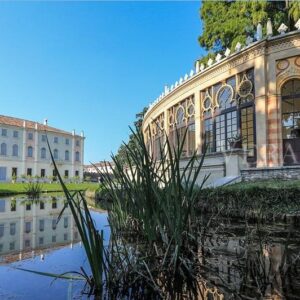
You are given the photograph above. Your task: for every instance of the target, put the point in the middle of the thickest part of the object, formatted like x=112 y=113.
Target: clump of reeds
x=152 y=214
x=33 y=189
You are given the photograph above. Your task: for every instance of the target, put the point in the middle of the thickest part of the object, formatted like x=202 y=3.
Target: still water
x=31 y=239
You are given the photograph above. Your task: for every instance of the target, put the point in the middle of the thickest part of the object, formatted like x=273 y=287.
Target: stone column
x=261 y=110
x=198 y=142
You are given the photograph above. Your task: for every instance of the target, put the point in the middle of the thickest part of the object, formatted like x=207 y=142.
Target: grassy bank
x=19 y=188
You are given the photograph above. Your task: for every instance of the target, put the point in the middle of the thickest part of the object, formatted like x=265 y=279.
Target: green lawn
x=17 y=188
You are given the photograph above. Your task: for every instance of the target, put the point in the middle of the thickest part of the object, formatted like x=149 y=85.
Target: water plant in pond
x=152 y=210
x=33 y=189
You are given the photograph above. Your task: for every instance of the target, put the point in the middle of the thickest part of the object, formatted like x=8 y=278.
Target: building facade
x=251 y=95
x=24 y=150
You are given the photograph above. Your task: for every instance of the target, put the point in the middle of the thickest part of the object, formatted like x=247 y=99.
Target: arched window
x=43 y=153
x=290 y=96
x=29 y=151
x=77 y=156
x=226 y=119
x=55 y=154
x=15 y=150
x=3 y=150
x=67 y=155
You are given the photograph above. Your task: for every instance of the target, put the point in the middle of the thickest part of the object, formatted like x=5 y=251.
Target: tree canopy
x=225 y=23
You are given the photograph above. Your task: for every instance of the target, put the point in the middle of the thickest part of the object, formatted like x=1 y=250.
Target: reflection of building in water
x=28 y=225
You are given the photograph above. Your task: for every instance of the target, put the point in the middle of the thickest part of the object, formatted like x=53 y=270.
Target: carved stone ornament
x=245 y=87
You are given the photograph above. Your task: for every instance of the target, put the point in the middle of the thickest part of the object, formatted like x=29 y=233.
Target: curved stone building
x=251 y=95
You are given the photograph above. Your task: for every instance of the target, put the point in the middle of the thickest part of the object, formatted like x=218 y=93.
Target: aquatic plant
x=152 y=212
x=33 y=189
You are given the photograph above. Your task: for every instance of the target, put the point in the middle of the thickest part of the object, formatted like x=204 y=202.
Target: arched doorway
x=290 y=96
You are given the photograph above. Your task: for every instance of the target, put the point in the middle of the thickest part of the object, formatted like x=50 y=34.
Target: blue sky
x=93 y=65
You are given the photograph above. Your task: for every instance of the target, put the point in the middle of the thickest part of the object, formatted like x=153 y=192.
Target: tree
x=225 y=23
x=122 y=151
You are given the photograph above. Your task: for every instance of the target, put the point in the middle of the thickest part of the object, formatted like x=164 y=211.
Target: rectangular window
x=54 y=203
x=1 y=230
x=27 y=243
x=43 y=172
x=14 y=172
x=4 y=132
x=67 y=141
x=12 y=246
x=65 y=237
x=12 y=228
x=44 y=138
x=28 y=206
x=42 y=225
x=53 y=238
x=29 y=172
x=209 y=135
x=30 y=135
x=56 y=140
x=191 y=139
x=65 y=222
x=41 y=241
x=16 y=134
x=247 y=129
x=77 y=143
x=27 y=227
x=76 y=173
x=2 y=205
x=13 y=205
x=1 y=248
x=42 y=204
x=66 y=173
x=54 y=224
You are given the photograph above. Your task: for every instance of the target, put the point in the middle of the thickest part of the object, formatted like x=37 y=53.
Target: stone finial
x=238 y=46
x=172 y=87
x=36 y=126
x=249 y=40
x=163 y=94
x=282 y=28
x=218 y=57
x=297 y=25
x=180 y=80
x=45 y=122
x=192 y=73
x=82 y=133
x=73 y=132
x=227 y=52
x=176 y=83
x=259 y=34
x=210 y=62
x=202 y=67
x=166 y=89
x=186 y=76
x=269 y=28
x=24 y=123
x=197 y=66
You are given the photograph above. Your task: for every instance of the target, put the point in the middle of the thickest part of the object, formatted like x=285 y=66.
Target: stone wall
x=291 y=172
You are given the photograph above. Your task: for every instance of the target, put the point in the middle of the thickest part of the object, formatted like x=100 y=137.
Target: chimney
x=45 y=122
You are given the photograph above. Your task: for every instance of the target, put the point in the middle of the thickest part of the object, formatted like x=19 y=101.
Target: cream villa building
x=24 y=150
x=252 y=93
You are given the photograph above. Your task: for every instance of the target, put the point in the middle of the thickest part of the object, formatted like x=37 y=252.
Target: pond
x=31 y=239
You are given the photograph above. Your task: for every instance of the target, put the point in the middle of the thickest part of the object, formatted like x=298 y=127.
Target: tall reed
x=152 y=210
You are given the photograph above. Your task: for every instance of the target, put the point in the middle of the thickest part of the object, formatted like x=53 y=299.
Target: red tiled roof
x=11 y=121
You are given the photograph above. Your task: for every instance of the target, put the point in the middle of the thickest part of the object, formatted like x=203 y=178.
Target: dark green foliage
x=33 y=189
x=250 y=201
x=225 y=23
x=132 y=143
